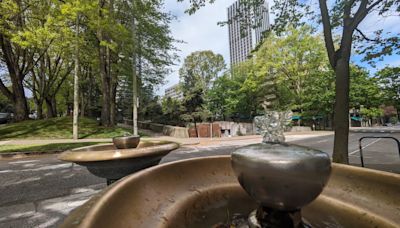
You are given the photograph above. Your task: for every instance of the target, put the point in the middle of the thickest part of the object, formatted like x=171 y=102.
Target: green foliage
x=47 y=36
x=197 y=73
x=393 y=120
x=389 y=81
x=172 y=110
x=292 y=61
x=371 y=112
x=199 y=69
x=5 y=104
x=291 y=71
x=364 y=90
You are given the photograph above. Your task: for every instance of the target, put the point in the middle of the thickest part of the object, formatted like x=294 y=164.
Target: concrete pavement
x=182 y=141
x=40 y=191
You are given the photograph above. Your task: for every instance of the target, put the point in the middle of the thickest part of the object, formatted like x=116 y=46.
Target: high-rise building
x=243 y=37
x=174 y=92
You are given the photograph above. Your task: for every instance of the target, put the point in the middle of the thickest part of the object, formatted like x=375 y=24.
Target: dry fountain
x=271 y=184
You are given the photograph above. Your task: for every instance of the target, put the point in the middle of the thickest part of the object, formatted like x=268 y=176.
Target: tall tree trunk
x=54 y=105
x=340 y=148
x=105 y=85
x=113 y=107
x=112 y=112
x=104 y=74
x=342 y=71
x=21 y=110
x=39 y=108
x=17 y=96
x=398 y=113
x=50 y=108
x=90 y=94
x=83 y=109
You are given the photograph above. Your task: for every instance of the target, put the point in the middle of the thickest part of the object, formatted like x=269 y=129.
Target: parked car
x=33 y=115
x=5 y=117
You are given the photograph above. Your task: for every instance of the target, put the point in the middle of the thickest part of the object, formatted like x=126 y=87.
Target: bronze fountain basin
x=109 y=162
x=202 y=192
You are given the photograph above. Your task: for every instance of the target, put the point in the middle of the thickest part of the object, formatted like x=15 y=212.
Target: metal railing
x=375 y=137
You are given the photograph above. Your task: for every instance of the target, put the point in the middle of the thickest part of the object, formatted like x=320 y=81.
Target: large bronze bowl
x=204 y=191
x=108 y=162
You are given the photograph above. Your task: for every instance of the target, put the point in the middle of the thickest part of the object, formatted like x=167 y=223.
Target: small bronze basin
x=202 y=192
x=108 y=162
x=126 y=142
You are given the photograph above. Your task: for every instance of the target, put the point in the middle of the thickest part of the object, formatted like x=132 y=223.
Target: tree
x=196 y=74
x=285 y=72
x=389 y=81
x=291 y=61
x=371 y=113
x=340 y=21
x=21 y=41
x=219 y=96
x=200 y=68
x=364 y=90
x=172 y=110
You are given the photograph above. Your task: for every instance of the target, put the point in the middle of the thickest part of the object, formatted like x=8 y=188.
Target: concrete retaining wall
x=300 y=129
x=178 y=132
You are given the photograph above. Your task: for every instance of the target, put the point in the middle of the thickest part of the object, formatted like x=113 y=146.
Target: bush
x=393 y=120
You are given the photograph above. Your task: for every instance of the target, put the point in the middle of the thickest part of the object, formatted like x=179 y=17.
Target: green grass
x=58 y=128
x=53 y=147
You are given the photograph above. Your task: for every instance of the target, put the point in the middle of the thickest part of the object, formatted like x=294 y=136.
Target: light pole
x=134 y=77
x=76 y=84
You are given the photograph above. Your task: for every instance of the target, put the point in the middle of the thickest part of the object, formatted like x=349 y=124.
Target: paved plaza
x=40 y=191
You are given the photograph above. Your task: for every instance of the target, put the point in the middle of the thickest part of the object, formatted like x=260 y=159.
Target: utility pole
x=76 y=84
x=134 y=78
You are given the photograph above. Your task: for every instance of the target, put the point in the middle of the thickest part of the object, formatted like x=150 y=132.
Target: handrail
x=375 y=137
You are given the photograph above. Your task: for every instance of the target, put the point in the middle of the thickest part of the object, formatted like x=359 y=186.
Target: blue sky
x=201 y=32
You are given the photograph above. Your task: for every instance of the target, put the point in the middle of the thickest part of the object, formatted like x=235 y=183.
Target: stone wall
x=236 y=128
x=204 y=130
x=178 y=132
x=173 y=131
x=300 y=129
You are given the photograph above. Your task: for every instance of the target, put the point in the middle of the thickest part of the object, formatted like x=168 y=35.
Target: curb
x=15 y=155
x=375 y=130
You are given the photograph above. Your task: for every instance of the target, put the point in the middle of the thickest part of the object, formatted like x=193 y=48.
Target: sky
x=201 y=32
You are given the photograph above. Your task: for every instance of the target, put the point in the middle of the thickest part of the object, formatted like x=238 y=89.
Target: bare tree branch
x=365 y=37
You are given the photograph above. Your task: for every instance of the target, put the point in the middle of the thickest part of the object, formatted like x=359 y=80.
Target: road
x=40 y=191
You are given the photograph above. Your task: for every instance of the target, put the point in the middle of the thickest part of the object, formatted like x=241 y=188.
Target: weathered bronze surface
x=126 y=142
x=204 y=191
x=108 y=162
x=281 y=176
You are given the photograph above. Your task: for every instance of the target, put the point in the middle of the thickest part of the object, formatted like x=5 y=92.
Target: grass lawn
x=58 y=128
x=53 y=147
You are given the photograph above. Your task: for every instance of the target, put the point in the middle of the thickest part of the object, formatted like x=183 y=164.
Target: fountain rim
x=87 y=213
x=160 y=147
